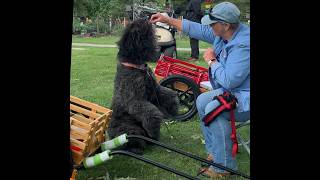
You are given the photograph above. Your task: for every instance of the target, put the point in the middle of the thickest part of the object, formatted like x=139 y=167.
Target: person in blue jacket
x=229 y=71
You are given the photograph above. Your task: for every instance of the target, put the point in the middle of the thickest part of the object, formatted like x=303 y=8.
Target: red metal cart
x=185 y=78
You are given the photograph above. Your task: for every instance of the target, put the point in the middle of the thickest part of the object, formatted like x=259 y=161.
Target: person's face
x=219 y=28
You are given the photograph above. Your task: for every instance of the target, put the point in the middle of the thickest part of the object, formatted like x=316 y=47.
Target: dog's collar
x=141 y=67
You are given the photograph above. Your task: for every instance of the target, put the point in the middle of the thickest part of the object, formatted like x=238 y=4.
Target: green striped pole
x=97 y=159
x=116 y=142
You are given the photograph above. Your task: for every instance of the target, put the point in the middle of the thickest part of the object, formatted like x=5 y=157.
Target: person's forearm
x=177 y=23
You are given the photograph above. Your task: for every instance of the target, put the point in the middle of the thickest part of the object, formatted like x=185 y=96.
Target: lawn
x=92 y=76
x=182 y=42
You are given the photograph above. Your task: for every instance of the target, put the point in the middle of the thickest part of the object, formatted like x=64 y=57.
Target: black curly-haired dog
x=139 y=103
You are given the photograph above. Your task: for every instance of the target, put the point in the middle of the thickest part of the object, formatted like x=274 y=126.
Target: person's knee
x=211 y=106
x=200 y=103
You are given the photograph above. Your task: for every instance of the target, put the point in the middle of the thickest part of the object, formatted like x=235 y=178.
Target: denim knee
x=200 y=102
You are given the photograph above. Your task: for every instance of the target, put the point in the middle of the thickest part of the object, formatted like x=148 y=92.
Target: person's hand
x=159 y=18
x=209 y=55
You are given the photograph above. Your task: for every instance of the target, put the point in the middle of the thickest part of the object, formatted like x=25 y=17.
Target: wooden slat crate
x=88 y=122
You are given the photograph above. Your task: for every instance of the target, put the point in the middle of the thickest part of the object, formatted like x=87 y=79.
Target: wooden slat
x=101 y=122
x=75 y=136
x=83 y=111
x=84 y=131
x=107 y=121
x=77 y=157
x=94 y=111
x=101 y=118
x=82 y=128
x=93 y=123
x=181 y=86
x=74 y=174
x=93 y=149
x=99 y=135
x=78 y=133
x=99 y=131
x=81 y=118
x=77 y=143
x=92 y=141
x=89 y=104
x=80 y=124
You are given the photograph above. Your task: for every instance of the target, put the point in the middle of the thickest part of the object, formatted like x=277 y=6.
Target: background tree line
x=106 y=16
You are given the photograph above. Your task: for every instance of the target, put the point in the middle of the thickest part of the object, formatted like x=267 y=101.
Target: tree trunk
x=105 y=29
x=97 y=23
x=110 y=23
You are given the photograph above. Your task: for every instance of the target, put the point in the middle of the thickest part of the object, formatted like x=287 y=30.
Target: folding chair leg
x=243 y=143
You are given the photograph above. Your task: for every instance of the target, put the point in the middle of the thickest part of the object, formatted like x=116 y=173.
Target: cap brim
x=207 y=21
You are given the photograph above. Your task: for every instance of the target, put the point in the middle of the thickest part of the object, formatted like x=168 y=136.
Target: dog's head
x=137 y=44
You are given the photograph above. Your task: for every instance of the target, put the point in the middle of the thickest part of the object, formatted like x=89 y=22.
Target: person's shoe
x=209 y=158
x=207 y=172
x=192 y=59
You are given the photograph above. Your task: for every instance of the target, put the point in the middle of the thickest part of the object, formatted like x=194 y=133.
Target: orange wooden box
x=88 y=122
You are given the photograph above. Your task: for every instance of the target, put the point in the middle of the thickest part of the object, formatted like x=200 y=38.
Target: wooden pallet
x=88 y=122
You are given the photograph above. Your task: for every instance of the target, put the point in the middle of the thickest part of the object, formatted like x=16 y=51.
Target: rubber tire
x=194 y=88
x=171 y=52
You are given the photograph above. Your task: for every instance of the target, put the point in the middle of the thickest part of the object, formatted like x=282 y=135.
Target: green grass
x=92 y=75
x=184 y=42
x=181 y=42
x=96 y=40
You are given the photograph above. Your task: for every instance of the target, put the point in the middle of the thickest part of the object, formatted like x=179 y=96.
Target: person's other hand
x=209 y=55
x=159 y=18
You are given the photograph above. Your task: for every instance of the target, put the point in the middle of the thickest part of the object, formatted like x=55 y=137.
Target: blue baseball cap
x=222 y=12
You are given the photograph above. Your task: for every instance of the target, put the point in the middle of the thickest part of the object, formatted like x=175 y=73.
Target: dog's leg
x=136 y=145
x=149 y=115
x=129 y=127
x=168 y=100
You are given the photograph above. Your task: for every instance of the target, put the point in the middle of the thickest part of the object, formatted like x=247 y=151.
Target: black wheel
x=171 y=52
x=188 y=91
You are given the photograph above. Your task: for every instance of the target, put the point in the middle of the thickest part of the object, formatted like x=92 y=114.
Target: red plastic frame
x=167 y=66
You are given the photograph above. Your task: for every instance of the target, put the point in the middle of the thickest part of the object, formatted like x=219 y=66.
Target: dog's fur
x=139 y=103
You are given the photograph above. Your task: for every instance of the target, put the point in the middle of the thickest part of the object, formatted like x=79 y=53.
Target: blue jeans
x=217 y=135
